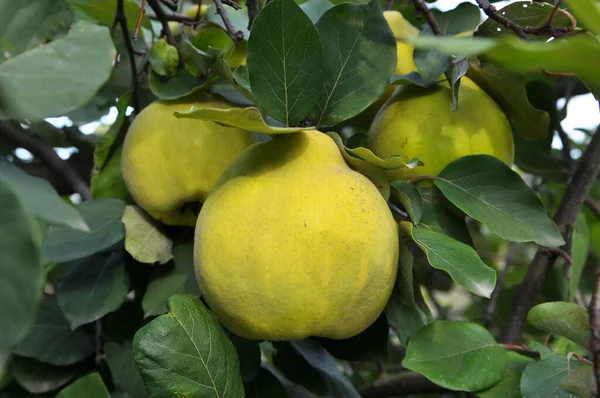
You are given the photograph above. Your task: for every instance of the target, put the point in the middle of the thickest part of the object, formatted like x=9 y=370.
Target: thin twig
x=121 y=20
x=521 y=349
x=400 y=384
x=236 y=36
x=490 y=310
x=170 y=4
x=595 y=328
x=565 y=217
x=139 y=21
x=553 y=14
x=593 y=206
x=490 y=11
x=564 y=253
x=162 y=17
x=197 y=16
x=46 y=154
x=253 y=9
x=422 y=8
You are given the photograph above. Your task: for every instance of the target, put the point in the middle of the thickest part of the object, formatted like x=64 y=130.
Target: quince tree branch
x=236 y=35
x=121 y=20
x=422 y=8
x=595 y=328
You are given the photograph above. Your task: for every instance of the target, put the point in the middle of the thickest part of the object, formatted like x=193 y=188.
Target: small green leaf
x=57 y=68
x=580 y=249
x=38 y=377
x=145 y=239
x=459 y=356
x=92 y=288
x=89 y=386
x=103 y=216
x=564 y=319
x=587 y=13
x=104 y=11
x=285 y=62
x=364 y=61
x=122 y=367
x=21 y=270
x=486 y=189
x=250 y=119
x=410 y=198
x=164 y=58
x=460 y=261
x=458 y=68
x=510 y=385
x=186 y=352
x=581 y=383
x=541 y=379
x=177 y=86
x=52 y=340
x=38 y=197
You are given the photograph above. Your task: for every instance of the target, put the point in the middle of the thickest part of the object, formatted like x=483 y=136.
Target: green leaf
x=581 y=383
x=458 y=68
x=523 y=13
x=57 y=67
x=564 y=319
x=406 y=308
x=510 y=385
x=26 y=24
x=104 y=11
x=459 y=356
x=103 y=216
x=412 y=78
x=508 y=90
x=464 y=17
x=89 y=386
x=361 y=59
x=21 y=272
x=122 y=367
x=186 y=352
x=441 y=216
x=587 y=13
x=164 y=58
x=38 y=377
x=109 y=182
x=177 y=86
x=410 y=198
x=457 y=259
x=145 y=239
x=250 y=119
x=38 y=196
x=431 y=63
x=165 y=283
x=541 y=379
x=315 y=8
x=51 y=339
x=92 y=288
x=486 y=189
x=580 y=249
x=285 y=62
x=296 y=358
x=265 y=385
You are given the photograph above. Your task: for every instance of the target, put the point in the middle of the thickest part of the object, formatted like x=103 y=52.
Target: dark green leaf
x=464 y=17
x=21 y=272
x=431 y=64
x=122 y=367
x=104 y=11
x=361 y=59
x=240 y=76
x=109 y=182
x=175 y=87
x=187 y=352
x=410 y=198
x=57 y=68
x=285 y=62
x=38 y=377
x=103 y=216
x=51 y=339
x=579 y=250
x=38 y=196
x=541 y=379
x=458 y=68
x=315 y=8
x=93 y=287
x=460 y=261
x=145 y=238
x=510 y=385
x=564 y=319
x=581 y=383
x=459 y=356
x=440 y=215
x=178 y=279
x=265 y=385
x=489 y=191
x=89 y=386
x=412 y=78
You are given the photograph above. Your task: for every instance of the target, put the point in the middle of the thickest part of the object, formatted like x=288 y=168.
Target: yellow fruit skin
x=293 y=243
x=169 y=162
x=419 y=122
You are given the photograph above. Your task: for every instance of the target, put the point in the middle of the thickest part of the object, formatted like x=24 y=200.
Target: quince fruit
x=170 y=165
x=293 y=243
x=419 y=122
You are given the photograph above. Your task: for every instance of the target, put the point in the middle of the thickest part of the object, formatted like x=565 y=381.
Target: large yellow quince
x=419 y=122
x=293 y=243
x=170 y=165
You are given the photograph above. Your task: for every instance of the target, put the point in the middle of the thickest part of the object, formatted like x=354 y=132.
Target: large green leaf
x=51 y=339
x=21 y=272
x=145 y=239
x=285 y=62
x=48 y=80
x=486 y=189
x=93 y=287
x=581 y=383
x=459 y=356
x=441 y=216
x=122 y=367
x=89 y=386
x=587 y=13
x=40 y=198
x=187 y=352
x=104 y=11
x=510 y=385
x=38 y=377
x=360 y=62
x=541 y=379
x=103 y=216
x=563 y=319
x=459 y=260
